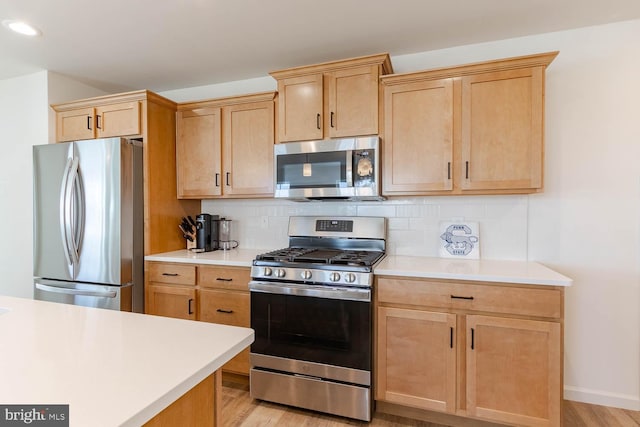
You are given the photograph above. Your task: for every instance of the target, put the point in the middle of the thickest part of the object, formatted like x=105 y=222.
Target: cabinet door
x=248 y=149
x=502 y=130
x=198 y=153
x=352 y=102
x=300 y=108
x=171 y=301
x=118 y=120
x=418 y=137
x=228 y=308
x=416 y=358
x=74 y=125
x=513 y=370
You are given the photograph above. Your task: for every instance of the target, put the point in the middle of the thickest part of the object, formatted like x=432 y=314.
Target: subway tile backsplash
x=413 y=223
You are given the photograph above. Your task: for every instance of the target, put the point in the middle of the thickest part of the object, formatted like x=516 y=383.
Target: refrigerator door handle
x=78 y=210
x=81 y=292
x=65 y=227
x=69 y=220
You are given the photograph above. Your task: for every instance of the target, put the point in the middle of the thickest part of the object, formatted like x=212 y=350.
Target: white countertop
x=485 y=270
x=234 y=257
x=113 y=368
x=523 y=272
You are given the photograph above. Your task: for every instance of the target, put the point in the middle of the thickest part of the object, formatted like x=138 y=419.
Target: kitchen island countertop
x=233 y=257
x=484 y=270
x=112 y=368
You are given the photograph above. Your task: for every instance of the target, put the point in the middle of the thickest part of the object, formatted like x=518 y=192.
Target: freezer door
x=84 y=294
x=83 y=211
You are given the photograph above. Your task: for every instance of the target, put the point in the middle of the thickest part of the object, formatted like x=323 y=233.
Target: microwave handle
x=349 y=168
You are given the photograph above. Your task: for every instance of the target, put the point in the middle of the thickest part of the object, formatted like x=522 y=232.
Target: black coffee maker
x=207 y=232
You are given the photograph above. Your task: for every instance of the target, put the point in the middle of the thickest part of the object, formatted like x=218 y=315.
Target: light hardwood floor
x=238 y=409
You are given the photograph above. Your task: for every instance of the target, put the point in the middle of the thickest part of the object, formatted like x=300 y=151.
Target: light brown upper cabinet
x=418 y=150
x=118 y=119
x=471 y=129
x=151 y=119
x=225 y=147
x=199 y=152
x=330 y=100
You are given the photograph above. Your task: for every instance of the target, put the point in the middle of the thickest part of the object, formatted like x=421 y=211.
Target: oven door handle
x=319 y=291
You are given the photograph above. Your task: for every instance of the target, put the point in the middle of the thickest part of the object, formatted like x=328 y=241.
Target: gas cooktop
x=322 y=256
x=326 y=250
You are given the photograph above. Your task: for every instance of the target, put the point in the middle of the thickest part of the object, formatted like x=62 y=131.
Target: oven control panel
x=304 y=275
x=334 y=225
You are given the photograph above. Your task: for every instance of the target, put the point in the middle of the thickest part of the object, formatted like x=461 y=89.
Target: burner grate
x=322 y=256
x=360 y=258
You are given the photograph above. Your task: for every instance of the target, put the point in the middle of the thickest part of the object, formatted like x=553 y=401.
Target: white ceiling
x=168 y=44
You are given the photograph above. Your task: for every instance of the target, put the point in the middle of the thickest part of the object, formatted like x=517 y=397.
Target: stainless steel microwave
x=346 y=168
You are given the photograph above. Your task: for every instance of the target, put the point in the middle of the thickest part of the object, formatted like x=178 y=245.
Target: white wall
x=585 y=225
x=25 y=120
x=23 y=123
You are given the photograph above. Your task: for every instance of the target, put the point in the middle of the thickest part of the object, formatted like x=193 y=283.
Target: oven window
x=329 y=331
x=312 y=170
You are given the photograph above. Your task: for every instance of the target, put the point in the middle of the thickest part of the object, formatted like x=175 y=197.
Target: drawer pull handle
x=473 y=338
x=170 y=274
x=190 y=309
x=222 y=279
x=224 y=311
x=451 y=337
x=459 y=297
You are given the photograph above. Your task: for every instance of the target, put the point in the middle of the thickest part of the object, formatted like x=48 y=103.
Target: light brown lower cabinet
x=207 y=293
x=434 y=354
x=200 y=406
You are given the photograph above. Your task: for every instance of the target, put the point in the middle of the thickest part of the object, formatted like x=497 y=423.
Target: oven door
x=322 y=325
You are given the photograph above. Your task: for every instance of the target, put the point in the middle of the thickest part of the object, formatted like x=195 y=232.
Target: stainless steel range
x=312 y=315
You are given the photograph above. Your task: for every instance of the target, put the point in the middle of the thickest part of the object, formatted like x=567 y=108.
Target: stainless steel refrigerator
x=88 y=223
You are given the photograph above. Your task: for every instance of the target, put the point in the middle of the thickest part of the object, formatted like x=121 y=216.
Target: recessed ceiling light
x=21 y=27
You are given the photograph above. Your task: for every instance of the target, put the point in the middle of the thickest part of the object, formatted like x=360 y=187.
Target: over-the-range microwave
x=346 y=168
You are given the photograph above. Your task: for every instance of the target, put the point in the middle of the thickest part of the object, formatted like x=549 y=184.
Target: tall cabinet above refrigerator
x=88 y=223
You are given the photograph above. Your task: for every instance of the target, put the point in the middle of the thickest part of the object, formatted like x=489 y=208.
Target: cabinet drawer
x=224 y=278
x=228 y=308
x=498 y=298
x=179 y=274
